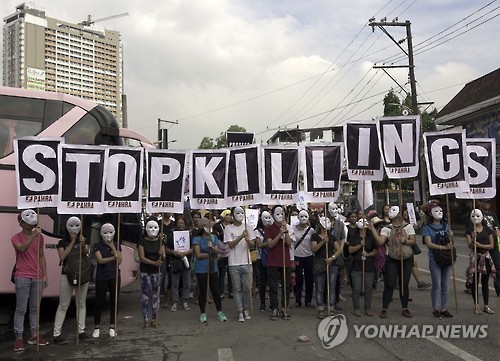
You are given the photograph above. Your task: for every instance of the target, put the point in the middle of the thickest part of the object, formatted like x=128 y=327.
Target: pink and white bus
x=46 y=114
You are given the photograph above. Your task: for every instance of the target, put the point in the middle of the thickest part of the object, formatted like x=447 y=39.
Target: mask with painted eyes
x=437 y=213
x=303 y=217
x=362 y=223
x=278 y=214
x=266 y=218
x=393 y=212
x=30 y=217
x=238 y=214
x=325 y=223
x=333 y=209
x=476 y=216
x=152 y=229
x=107 y=232
x=73 y=225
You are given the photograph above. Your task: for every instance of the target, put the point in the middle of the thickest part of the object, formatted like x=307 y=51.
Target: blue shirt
x=201 y=265
x=431 y=231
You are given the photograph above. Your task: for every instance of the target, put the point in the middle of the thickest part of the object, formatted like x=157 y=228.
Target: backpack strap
x=302 y=238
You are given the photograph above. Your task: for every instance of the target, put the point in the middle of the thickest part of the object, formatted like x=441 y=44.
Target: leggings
x=484 y=284
x=393 y=275
x=149 y=287
x=214 y=288
x=101 y=289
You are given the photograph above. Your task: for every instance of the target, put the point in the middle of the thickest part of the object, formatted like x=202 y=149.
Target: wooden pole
x=249 y=260
x=451 y=254
x=400 y=196
x=117 y=275
x=159 y=269
x=78 y=287
x=329 y=307
x=476 y=278
x=363 y=247
x=37 y=337
x=208 y=269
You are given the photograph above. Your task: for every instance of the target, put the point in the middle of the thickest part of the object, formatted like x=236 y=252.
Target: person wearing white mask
x=400 y=237
x=480 y=241
x=278 y=239
x=432 y=233
x=303 y=259
x=239 y=239
x=71 y=243
x=108 y=255
x=265 y=220
x=339 y=224
x=151 y=253
x=29 y=245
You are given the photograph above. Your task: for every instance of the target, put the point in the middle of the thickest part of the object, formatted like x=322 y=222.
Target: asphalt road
x=180 y=336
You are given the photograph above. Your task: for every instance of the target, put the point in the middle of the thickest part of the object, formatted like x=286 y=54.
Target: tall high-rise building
x=54 y=55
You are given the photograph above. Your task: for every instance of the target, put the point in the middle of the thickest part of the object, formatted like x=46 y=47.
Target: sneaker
x=19 y=345
x=146 y=325
x=174 y=307
x=186 y=306
x=152 y=325
x=246 y=314
x=221 y=316
x=423 y=285
x=96 y=333
x=369 y=313
x=203 y=318
x=468 y=290
x=112 y=332
x=321 y=315
x=436 y=314
x=274 y=315
x=59 y=340
x=262 y=308
x=285 y=315
x=406 y=313
x=446 y=314
x=83 y=336
x=383 y=314
x=41 y=342
x=241 y=317
x=191 y=296
x=357 y=313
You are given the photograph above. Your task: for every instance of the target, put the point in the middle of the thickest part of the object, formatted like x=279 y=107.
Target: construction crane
x=89 y=20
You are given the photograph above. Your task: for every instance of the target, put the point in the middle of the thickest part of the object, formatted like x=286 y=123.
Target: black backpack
x=443 y=257
x=71 y=267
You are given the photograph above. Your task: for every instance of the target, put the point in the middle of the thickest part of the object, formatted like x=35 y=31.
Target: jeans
x=185 y=274
x=149 y=288
x=101 y=289
x=274 y=274
x=65 y=292
x=242 y=283
x=392 y=275
x=26 y=289
x=262 y=282
x=495 y=256
x=321 y=287
x=304 y=272
x=440 y=278
x=357 y=285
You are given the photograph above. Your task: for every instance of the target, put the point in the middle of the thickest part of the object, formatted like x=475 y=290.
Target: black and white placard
x=280 y=174
x=208 y=179
x=243 y=176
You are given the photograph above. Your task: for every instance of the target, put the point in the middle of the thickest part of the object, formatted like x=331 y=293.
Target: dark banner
x=236 y=139
x=207 y=181
x=243 y=176
x=281 y=171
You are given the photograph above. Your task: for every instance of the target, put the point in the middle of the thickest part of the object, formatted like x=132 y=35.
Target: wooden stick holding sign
x=160 y=256
x=451 y=253
x=117 y=274
x=400 y=199
x=37 y=284
x=328 y=298
x=78 y=288
x=249 y=261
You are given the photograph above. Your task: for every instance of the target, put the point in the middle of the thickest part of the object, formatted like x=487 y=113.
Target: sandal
x=477 y=311
x=488 y=310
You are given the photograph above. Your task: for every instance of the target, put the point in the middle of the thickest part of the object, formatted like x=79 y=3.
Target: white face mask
x=152 y=228
x=437 y=213
x=278 y=215
x=362 y=223
x=325 y=223
x=476 y=216
x=333 y=209
x=30 y=217
x=303 y=217
x=73 y=225
x=393 y=212
x=107 y=232
x=238 y=214
x=266 y=218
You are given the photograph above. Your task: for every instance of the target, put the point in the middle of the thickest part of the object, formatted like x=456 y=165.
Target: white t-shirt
x=304 y=248
x=290 y=230
x=239 y=254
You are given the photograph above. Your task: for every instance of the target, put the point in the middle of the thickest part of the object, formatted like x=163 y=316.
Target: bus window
x=83 y=132
x=10 y=129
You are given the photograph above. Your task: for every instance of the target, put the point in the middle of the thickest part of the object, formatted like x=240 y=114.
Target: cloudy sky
x=266 y=65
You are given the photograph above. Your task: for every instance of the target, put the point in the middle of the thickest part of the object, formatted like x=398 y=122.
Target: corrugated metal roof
x=477 y=91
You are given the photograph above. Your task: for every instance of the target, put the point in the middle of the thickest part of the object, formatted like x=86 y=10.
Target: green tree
x=221 y=140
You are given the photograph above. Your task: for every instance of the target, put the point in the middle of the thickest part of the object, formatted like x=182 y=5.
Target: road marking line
x=225 y=354
x=452 y=349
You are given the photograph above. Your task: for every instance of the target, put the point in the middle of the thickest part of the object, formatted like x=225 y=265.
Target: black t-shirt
x=105 y=271
x=151 y=252
x=170 y=243
x=321 y=253
x=369 y=246
x=483 y=237
x=64 y=243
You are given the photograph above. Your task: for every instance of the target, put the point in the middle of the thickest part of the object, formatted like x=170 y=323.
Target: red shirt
x=275 y=255
x=26 y=261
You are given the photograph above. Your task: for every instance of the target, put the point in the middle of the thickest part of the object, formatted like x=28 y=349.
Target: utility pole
x=411 y=75
x=163 y=133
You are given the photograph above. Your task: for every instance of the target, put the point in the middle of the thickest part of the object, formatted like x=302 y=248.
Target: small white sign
x=181 y=241
x=411 y=213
